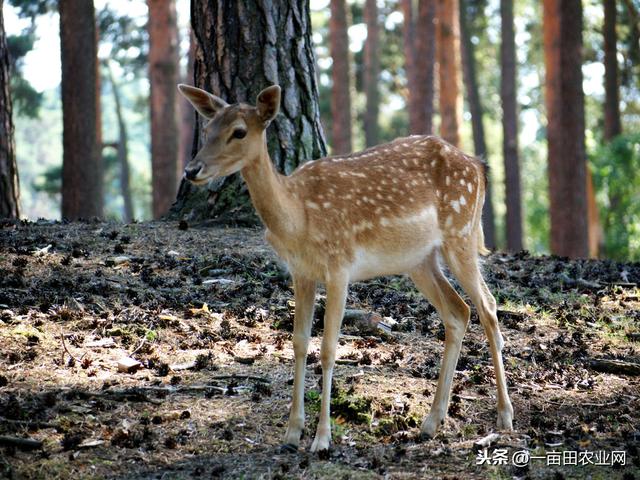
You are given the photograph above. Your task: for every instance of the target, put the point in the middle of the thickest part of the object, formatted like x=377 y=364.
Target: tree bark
x=510 y=128
x=9 y=186
x=562 y=31
x=425 y=56
x=340 y=91
x=163 y=76
x=82 y=162
x=408 y=39
x=187 y=114
x=371 y=73
x=122 y=151
x=612 y=125
x=477 y=112
x=449 y=70
x=241 y=49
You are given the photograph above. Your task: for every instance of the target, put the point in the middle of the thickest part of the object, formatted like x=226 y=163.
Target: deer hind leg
x=454 y=312
x=464 y=265
x=304 y=292
x=334 y=311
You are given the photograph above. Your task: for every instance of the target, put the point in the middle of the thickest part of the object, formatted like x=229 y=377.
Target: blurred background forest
x=379 y=66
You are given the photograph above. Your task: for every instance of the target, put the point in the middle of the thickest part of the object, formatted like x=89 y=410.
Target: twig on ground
x=486 y=442
x=64 y=345
x=21 y=443
x=137 y=349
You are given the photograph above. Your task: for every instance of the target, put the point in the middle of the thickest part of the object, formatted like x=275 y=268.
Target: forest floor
x=207 y=314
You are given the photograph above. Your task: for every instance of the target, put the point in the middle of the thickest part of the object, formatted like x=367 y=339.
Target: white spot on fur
x=447 y=181
x=326 y=204
x=449 y=222
x=456 y=206
x=313 y=205
x=463 y=201
x=470 y=187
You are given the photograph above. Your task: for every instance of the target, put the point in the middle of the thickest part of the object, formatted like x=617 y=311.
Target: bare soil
x=207 y=312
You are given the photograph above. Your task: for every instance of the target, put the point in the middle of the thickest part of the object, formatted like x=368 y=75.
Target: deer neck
x=270 y=194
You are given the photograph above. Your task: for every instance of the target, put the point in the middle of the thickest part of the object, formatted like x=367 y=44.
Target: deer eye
x=239 y=133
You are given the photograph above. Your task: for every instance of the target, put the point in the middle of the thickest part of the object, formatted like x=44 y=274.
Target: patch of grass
x=348 y=406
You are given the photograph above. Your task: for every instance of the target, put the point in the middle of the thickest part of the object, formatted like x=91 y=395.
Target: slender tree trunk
x=241 y=49
x=340 y=92
x=163 y=76
x=371 y=73
x=9 y=186
x=477 y=112
x=187 y=114
x=82 y=163
x=425 y=56
x=408 y=42
x=122 y=150
x=612 y=125
x=562 y=28
x=449 y=70
x=510 y=128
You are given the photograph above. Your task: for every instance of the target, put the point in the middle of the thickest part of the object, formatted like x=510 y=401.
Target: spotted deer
x=391 y=209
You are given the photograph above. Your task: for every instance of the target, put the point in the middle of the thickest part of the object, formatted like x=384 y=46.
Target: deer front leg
x=304 y=291
x=336 y=297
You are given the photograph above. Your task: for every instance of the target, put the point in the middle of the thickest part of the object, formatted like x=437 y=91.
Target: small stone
x=128 y=365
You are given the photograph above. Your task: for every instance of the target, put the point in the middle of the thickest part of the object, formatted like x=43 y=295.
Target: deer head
x=233 y=135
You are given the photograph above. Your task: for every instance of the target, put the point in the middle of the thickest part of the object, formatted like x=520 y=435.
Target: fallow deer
x=390 y=209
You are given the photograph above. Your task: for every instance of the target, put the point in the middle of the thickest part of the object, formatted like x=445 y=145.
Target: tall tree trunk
x=9 y=186
x=82 y=162
x=340 y=91
x=449 y=70
x=163 y=76
x=419 y=39
x=425 y=56
x=477 y=112
x=562 y=29
x=408 y=35
x=122 y=151
x=187 y=114
x=371 y=73
x=243 y=48
x=612 y=125
x=510 y=128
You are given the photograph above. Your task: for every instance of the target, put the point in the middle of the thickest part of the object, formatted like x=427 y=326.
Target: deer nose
x=192 y=172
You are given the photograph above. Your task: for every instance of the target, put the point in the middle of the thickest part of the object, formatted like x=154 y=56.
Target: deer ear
x=268 y=103
x=205 y=103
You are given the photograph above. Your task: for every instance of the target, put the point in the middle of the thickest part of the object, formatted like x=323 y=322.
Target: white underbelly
x=374 y=263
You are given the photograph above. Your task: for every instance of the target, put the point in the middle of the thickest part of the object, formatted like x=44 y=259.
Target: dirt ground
x=207 y=314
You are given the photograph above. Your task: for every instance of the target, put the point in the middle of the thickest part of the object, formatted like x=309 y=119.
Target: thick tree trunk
x=243 y=48
x=340 y=91
x=9 y=187
x=123 y=152
x=449 y=70
x=187 y=113
x=371 y=73
x=510 y=128
x=425 y=56
x=163 y=76
x=82 y=162
x=562 y=28
x=419 y=39
x=477 y=112
x=612 y=125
